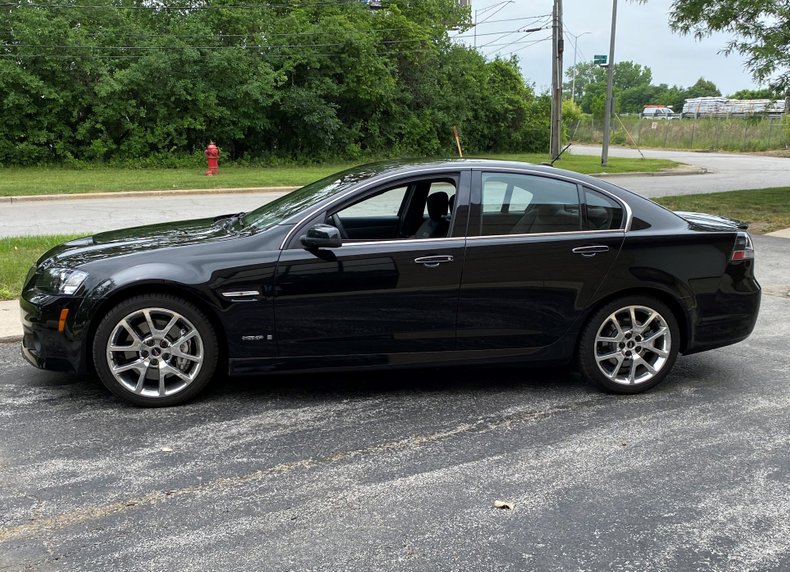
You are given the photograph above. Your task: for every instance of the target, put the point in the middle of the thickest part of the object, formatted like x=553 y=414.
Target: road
x=726 y=171
x=86 y=215
x=400 y=471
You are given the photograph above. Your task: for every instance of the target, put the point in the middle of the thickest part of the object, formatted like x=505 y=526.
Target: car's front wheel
x=155 y=350
x=629 y=345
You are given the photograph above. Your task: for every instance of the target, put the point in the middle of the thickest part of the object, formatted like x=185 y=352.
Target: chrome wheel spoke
x=137 y=365
x=658 y=351
x=138 y=388
x=133 y=347
x=149 y=321
x=647 y=322
x=616 y=370
x=632 y=372
x=655 y=335
x=612 y=355
x=177 y=352
x=184 y=338
x=131 y=331
x=166 y=368
x=616 y=324
x=608 y=340
x=638 y=360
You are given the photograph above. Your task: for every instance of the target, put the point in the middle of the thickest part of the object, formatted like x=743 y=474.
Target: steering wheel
x=338 y=224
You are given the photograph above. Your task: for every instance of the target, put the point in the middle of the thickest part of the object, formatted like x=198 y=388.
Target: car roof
x=389 y=168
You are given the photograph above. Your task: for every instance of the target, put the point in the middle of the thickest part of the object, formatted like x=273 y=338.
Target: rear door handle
x=433 y=261
x=590 y=251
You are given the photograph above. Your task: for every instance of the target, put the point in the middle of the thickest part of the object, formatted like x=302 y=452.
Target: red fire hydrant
x=212 y=155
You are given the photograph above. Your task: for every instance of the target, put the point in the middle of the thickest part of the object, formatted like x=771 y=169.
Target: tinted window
x=527 y=204
x=603 y=213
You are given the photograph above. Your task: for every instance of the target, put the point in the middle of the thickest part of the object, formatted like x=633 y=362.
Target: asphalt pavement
x=400 y=470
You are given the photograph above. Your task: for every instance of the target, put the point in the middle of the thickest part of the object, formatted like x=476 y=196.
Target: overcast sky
x=643 y=36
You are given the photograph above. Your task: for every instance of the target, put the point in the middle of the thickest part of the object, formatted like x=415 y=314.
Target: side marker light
x=64 y=313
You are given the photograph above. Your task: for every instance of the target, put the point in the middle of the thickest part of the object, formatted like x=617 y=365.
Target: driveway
x=400 y=470
x=726 y=171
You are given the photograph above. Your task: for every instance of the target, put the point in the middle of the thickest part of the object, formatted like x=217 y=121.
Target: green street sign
x=600 y=60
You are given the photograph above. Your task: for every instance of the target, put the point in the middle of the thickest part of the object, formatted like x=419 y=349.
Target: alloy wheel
x=155 y=352
x=633 y=345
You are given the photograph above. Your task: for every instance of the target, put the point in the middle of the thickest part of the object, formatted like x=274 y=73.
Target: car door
x=383 y=291
x=534 y=258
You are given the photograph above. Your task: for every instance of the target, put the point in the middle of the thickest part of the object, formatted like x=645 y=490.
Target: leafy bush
x=266 y=81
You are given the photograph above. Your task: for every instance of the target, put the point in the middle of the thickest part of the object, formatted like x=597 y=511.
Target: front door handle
x=433 y=261
x=590 y=251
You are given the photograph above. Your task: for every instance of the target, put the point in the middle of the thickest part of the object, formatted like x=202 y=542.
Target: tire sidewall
x=168 y=302
x=586 y=356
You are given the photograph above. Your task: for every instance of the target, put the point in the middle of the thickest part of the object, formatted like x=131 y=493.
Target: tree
x=631 y=80
x=765 y=93
x=150 y=83
x=760 y=30
x=703 y=88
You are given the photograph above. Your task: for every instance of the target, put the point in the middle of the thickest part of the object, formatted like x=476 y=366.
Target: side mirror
x=322 y=236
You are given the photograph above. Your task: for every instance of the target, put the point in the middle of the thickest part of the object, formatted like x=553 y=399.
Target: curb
x=132 y=194
x=10 y=339
x=668 y=173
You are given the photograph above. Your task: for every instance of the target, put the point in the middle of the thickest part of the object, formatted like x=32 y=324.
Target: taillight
x=744 y=249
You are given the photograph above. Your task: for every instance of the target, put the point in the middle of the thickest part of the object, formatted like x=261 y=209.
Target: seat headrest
x=438 y=203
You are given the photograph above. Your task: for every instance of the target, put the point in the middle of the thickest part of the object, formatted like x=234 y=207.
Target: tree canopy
x=633 y=88
x=760 y=30
x=124 y=79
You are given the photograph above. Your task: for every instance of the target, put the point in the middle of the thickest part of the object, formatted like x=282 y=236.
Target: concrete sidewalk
x=10 y=321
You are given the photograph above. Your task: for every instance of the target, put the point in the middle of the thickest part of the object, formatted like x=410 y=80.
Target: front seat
x=437 y=224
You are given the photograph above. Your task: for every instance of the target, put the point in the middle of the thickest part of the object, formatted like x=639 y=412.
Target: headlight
x=60 y=280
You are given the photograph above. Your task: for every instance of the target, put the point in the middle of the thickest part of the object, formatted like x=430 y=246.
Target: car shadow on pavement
x=360 y=384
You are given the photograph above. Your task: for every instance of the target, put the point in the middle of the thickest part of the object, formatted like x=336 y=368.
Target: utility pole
x=607 y=114
x=558 y=46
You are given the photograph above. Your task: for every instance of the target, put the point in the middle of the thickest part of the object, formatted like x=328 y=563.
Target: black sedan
x=397 y=264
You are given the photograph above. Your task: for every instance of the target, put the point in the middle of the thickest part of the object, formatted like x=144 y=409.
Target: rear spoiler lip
x=705 y=218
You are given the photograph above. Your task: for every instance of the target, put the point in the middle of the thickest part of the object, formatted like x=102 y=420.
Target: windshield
x=288 y=205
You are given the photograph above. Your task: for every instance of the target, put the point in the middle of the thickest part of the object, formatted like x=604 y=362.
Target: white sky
x=643 y=36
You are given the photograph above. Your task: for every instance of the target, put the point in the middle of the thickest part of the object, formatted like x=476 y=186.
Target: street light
x=483 y=11
x=575 y=43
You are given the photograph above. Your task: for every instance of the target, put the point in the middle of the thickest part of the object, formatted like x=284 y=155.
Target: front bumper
x=42 y=344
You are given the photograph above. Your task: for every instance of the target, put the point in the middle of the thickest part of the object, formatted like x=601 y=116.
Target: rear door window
x=528 y=204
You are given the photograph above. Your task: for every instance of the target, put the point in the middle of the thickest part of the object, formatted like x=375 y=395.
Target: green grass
x=765 y=210
x=17 y=255
x=17 y=181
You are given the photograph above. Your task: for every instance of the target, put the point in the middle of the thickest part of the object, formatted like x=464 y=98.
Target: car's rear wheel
x=630 y=344
x=155 y=350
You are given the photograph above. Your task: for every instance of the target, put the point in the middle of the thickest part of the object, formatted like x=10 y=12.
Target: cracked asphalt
x=400 y=470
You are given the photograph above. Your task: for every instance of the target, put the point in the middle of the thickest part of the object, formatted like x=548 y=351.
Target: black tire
x=635 y=351
x=168 y=364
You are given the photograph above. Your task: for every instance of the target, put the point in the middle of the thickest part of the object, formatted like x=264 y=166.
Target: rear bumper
x=42 y=344
x=723 y=328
